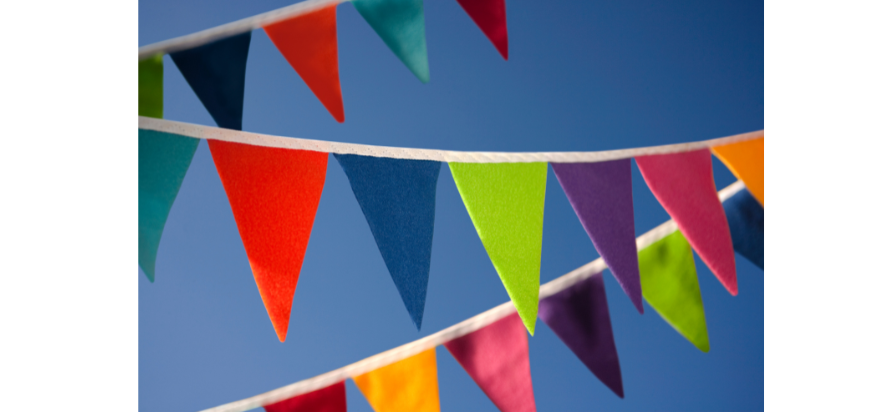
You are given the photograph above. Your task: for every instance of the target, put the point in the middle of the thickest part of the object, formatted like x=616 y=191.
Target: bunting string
x=595 y=267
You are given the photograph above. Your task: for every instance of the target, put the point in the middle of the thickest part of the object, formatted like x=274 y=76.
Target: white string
x=255 y=139
x=463 y=328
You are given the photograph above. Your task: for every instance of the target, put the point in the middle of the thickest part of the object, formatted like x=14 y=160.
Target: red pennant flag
x=498 y=359
x=274 y=195
x=489 y=15
x=684 y=185
x=308 y=42
x=329 y=399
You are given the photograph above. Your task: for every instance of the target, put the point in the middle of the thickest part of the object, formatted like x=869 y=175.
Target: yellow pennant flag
x=406 y=385
x=746 y=161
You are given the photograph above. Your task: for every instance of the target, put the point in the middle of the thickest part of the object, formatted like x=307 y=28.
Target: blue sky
x=581 y=76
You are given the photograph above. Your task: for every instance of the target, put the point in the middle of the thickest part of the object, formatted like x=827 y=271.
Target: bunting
x=217 y=72
x=308 y=42
x=684 y=184
x=600 y=194
x=151 y=87
x=406 y=385
x=329 y=399
x=746 y=218
x=506 y=202
x=498 y=359
x=397 y=198
x=746 y=161
x=489 y=15
x=401 y=25
x=274 y=195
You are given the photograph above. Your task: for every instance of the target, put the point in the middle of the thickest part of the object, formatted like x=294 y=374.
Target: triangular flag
x=151 y=87
x=397 y=198
x=671 y=287
x=401 y=25
x=329 y=399
x=489 y=15
x=746 y=161
x=600 y=194
x=746 y=218
x=580 y=317
x=506 y=202
x=308 y=42
x=406 y=385
x=274 y=195
x=498 y=359
x=684 y=184
x=163 y=161
x=216 y=72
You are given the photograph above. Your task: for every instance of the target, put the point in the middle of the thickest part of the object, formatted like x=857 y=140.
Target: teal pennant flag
x=401 y=25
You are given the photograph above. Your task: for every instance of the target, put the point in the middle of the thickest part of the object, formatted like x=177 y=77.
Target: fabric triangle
x=498 y=359
x=401 y=25
x=579 y=316
x=671 y=287
x=151 y=87
x=274 y=195
x=746 y=218
x=397 y=197
x=489 y=15
x=329 y=399
x=164 y=159
x=684 y=185
x=600 y=194
x=217 y=72
x=746 y=161
x=506 y=202
x=308 y=42
x=406 y=385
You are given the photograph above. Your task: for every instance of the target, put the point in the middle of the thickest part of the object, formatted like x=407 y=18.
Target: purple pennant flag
x=600 y=194
x=579 y=316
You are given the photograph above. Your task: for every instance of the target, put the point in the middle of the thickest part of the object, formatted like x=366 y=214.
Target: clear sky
x=581 y=76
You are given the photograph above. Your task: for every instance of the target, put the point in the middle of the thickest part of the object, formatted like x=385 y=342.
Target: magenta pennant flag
x=489 y=15
x=498 y=359
x=600 y=194
x=684 y=185
x=329 y=399
x=580 y=317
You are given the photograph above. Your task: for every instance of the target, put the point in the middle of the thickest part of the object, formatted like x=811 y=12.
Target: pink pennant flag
x=489 y=15
x=329 y=399
x=498 y=359
x=684 y=185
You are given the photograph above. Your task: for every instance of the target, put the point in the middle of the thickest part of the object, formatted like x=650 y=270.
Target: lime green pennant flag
x=151 y=87
x=670 y=286
x=506 y=202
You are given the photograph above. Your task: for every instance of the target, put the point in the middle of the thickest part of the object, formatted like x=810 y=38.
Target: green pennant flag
x=670 y=286
x=506 y=202
x=151 y=87
x=401 y=25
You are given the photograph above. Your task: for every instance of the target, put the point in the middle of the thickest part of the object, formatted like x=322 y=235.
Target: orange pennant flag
x=308 y=42
x=746 y=161
x=406 y=385
x=274 y=195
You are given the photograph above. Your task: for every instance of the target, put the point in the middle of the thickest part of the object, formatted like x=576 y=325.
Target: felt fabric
x=746 y=218
x=506 y=202
x=329 y=399
x=671 y=287
x=498 y=359
x=397 y=197
x=684 y=184
x=489 y=15
x=308 y=42
x=151 y=87
x=274 y=195
x=401 y=25
x=216 y=72
x=746 y=161
x=164 y=159
x=600 y=194
x=579 y=316
x=406 y=385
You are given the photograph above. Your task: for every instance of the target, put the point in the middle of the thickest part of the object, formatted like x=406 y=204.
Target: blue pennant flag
x=401 y=25
x=397 y=197
x=746 y=219
x=216 y=72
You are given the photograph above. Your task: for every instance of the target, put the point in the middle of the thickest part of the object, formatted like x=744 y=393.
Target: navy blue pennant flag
x=216 y=72
x=397 y=197
x=746 y=219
